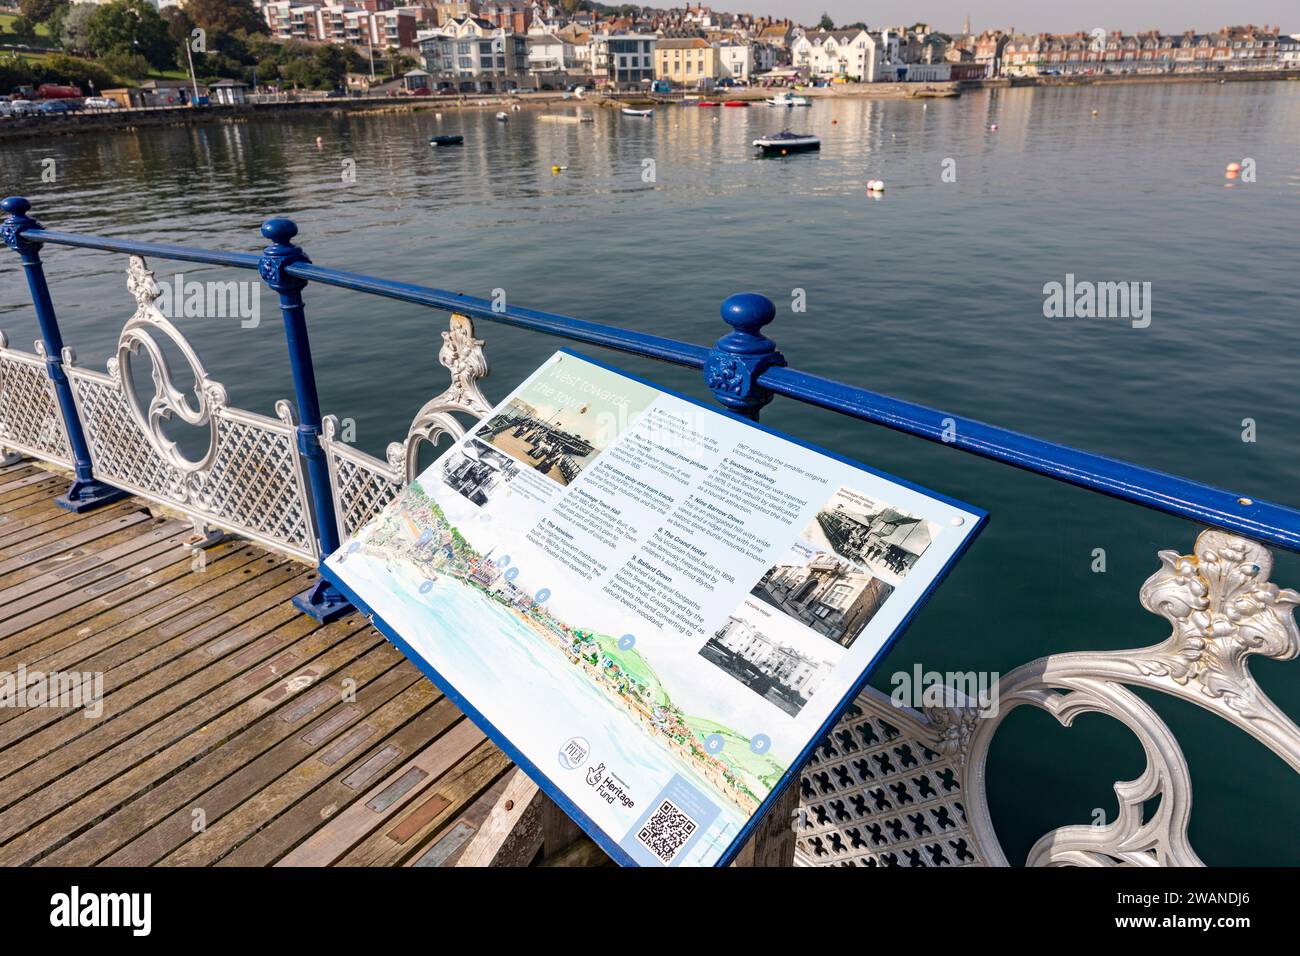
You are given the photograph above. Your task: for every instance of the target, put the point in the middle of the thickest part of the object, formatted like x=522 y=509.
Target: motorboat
x=786 y=142
x=644 y=114
x=741 y=103
x=446 y=140
x=787 y=99
x=503 y=117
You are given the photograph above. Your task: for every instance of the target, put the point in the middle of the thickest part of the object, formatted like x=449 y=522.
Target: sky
x=1034 y=16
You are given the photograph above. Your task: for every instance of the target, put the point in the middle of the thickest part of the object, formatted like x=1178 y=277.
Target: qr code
x=667 y=831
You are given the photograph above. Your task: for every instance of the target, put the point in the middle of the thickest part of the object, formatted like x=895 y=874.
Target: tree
x=126 y=64
x=132 y=27
x=39 y=11
x=826 y=23
x=224 y=17
x=75 y=36
x=23 y=27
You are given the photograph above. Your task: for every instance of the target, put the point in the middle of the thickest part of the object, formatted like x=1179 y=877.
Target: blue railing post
x=86 y=492
x=322 y=601
x=741 y=356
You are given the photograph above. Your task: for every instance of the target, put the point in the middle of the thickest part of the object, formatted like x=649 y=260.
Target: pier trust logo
x=71 y=690
x=922 y=688
x=190 y=299
x=1082 y=299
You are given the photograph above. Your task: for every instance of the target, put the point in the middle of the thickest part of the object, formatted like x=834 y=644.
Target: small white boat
x=628 y=111
x=782 y=144
x=503 y=117
x=787 y=99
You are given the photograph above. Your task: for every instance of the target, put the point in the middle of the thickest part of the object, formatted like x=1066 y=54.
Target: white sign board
x=656 y=609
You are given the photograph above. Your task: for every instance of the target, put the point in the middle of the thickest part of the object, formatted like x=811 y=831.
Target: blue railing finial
x=280 y=230
x=15 y=221
x=748 y=312
x=280 y=254
x=741 y=356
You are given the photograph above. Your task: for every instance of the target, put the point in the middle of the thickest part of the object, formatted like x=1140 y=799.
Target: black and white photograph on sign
x=477 y=470
x=824 y=592
x=565 y=418
x=871 y=534
x=774 y=658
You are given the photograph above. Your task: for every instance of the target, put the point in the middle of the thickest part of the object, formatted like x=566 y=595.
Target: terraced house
x=686 y=61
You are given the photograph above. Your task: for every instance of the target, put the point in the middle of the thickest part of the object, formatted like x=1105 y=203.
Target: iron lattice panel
x=361 y=491
x=254 y=486
x=872 y=795
x=30 y=420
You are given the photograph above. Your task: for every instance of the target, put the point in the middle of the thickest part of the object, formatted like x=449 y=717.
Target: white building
x=742 y=61
x=549 y=53
x=850 y=54
x=473 y=55
x=622 y=60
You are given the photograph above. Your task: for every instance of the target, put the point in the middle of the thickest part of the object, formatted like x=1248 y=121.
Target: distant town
x=57 y=56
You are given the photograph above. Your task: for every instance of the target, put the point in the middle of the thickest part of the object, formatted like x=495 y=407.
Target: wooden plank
x=447 y=847
x=772 y=841
x=46 y=588
x=72 y=741
x=91 y=526
x=512 y=833
x=157 y=808
x=147 y=601
x=233 y=828
x=256 y=606
x=72 y=556
x=462 y=784
x=365 y=815
x=190 y=729
x=248 y=784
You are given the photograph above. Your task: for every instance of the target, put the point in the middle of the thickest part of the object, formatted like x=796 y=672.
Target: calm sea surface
x=932 y=293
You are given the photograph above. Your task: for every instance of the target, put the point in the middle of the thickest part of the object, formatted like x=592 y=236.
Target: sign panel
x=657 y=609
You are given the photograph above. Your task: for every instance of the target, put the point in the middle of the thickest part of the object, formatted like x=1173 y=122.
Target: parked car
x=336 y=94
x=448 y=91
x=51 y=107
x=100 y=103
x=22 y=107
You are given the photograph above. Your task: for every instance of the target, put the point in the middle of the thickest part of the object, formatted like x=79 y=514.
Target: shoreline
x=134 y=120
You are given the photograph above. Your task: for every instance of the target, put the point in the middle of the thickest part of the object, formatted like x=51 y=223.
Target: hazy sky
x=1033 y=16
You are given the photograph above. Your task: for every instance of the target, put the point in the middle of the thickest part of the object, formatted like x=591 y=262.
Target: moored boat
x=503 y=117
x=644 y=114
x=736 y=103
x=787 y=99
x=446 y=140
x=786 y=142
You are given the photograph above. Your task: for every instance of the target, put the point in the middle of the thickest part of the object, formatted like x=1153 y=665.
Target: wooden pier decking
x=235 y=730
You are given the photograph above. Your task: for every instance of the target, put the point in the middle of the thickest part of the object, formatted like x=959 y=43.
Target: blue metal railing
x=743 y=369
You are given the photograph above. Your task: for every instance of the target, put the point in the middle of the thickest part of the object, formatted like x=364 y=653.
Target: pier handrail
x=745 y=370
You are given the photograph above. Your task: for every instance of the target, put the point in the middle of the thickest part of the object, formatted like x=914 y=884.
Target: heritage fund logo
x=76 y=909
x=921 y=688
x=1098 y=300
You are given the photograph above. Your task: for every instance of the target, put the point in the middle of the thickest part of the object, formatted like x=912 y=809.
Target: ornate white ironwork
x=30 y=421
x=167 y=400
x=1222 y=609
x=363 y=485
x=885 y=789
x=250 y=481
